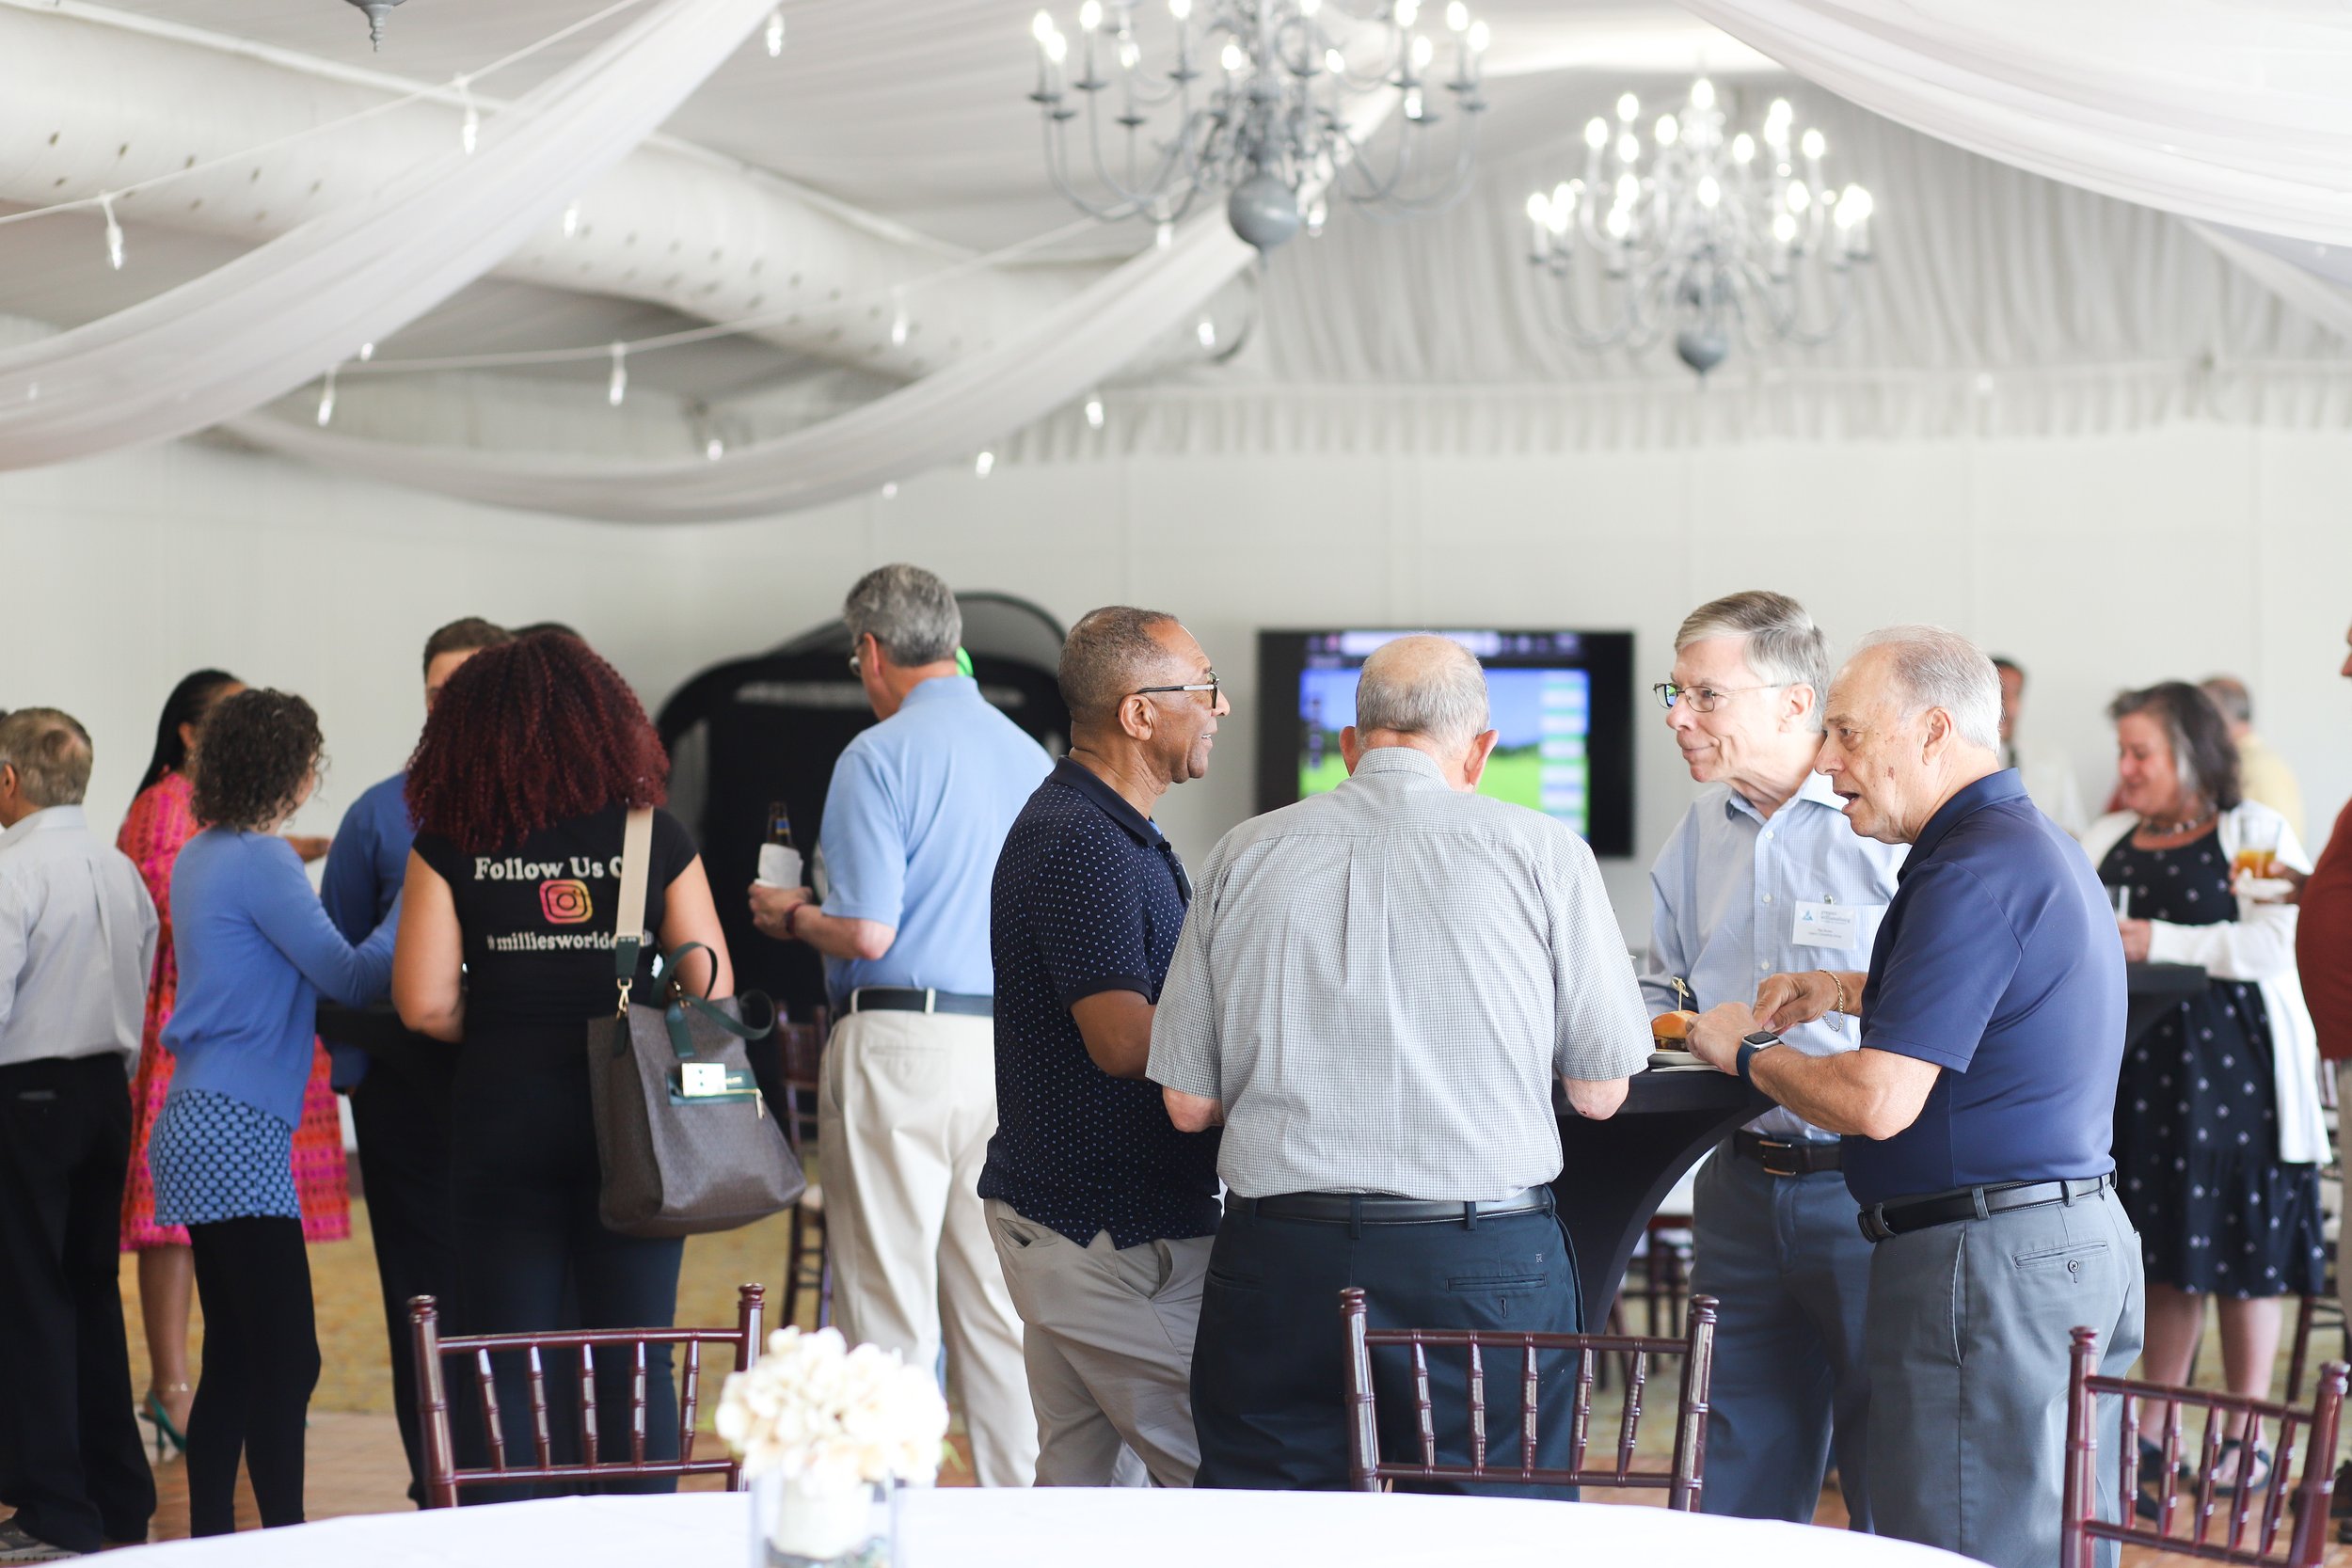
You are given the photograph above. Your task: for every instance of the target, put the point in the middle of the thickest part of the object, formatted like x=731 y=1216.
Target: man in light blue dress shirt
x=1763 y=877
x=917 y=810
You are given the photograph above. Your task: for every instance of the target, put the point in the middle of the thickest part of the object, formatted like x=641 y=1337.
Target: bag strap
x=636 y=864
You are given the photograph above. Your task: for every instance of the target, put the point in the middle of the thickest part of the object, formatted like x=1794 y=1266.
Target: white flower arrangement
x=823 y=1415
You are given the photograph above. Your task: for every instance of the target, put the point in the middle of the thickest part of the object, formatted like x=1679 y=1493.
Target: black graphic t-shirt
x=539 y=919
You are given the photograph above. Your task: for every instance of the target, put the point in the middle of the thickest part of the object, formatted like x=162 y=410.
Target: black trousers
x=533 y=1255
x=402 y=1118
x=1269 y=1368
x=261 y=1362
x=70 y=1459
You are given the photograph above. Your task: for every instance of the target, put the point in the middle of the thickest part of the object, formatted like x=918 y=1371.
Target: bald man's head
x=1425 y=686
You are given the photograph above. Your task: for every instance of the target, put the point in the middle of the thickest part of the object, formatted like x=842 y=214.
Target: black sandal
x=2151 y=1471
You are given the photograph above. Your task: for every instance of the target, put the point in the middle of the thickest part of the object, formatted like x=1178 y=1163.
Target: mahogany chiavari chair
x=1519 y=1354
x=808 y=1261
x=2252 y=1519
x=574 y=1350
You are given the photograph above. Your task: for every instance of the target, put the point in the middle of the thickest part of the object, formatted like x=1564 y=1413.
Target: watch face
x=1761 y=1037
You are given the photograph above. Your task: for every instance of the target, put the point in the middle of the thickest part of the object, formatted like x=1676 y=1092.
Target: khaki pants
x=1109 y=1347
x=905 y=1111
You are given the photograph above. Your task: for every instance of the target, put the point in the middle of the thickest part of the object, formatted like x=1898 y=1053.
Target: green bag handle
x=629 y=945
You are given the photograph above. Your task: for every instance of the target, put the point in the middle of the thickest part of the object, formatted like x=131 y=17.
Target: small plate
x=1674 y=1061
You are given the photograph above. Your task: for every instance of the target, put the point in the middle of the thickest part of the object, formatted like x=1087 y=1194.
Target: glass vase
x=794 y=1524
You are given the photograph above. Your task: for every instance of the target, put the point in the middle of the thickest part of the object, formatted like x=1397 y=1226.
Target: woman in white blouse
x=2217 y=1132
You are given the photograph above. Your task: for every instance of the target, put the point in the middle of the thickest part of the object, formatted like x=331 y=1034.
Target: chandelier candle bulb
x=367 y=352
x=1814 y=145
x=470 y=125
x=1702 y=94
x=775 y=32
x=114 y=232
x=984 y=465
x=1668 y=131
x=1629 y=107
x=571 y=220
x=1094 y=412
x=1206 y=332
x=326 y=400
x=616 y=387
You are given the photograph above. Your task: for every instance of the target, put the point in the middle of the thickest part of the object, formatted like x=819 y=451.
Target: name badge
x=1838 y=926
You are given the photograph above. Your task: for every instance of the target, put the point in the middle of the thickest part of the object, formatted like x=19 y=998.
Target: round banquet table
x=963 y=1527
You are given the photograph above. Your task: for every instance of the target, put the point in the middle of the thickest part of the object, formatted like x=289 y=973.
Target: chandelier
x=1707 y=236
x=1272 y=101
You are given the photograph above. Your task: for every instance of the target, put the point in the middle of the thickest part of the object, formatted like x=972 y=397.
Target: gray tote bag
x=684 y=1139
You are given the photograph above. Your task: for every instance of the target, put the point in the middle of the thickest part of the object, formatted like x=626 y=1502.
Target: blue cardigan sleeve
x=291 y=915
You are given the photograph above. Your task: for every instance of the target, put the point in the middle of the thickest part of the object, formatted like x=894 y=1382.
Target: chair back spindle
x=2277 y=1521
x=576 y=1350
x=1681 y=1482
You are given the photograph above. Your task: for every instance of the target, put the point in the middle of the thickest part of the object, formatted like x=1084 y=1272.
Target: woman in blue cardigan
x=256 y=951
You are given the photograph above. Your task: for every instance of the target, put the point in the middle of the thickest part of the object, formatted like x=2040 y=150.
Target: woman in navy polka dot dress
x=2206 y=1124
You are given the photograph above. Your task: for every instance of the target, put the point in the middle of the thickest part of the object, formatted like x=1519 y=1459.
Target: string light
x=1206 y=332
x=367 y=352
x=775 y=32
x=898 y=325
x=113 y=232
x=617 y=388
x=890 y=490
x=1094 y=410
x=571 y=220
x=714 y=448
x=326 y=400
x=469 y=132
x=984 y=464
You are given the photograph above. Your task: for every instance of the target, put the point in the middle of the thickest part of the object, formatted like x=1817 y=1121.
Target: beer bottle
x=779 y=859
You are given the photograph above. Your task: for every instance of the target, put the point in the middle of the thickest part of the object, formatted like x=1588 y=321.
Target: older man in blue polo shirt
x=1101 y=1209
x=1977 y=1113
x=916 y=815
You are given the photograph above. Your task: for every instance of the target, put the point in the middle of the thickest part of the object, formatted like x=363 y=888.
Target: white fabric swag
x=2228 y=111
x=262 y=325
x=946 y=416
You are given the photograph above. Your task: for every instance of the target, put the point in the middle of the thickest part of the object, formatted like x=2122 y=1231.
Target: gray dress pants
x=1968 y=1347
x=1783 y=1258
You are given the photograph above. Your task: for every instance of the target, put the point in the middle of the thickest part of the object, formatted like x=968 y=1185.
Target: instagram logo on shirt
x=565 y=903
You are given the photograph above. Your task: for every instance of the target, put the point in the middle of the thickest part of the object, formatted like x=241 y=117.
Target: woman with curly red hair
x=531 y=762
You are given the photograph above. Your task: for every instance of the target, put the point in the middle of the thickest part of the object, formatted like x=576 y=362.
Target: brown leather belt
x=1786 y=1156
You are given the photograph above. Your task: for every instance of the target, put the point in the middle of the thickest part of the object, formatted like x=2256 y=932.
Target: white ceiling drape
x=2219 y=110
x=946 y=416
x=262 y=325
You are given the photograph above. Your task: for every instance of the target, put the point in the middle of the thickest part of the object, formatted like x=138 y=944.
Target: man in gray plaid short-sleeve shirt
x=1373 y=991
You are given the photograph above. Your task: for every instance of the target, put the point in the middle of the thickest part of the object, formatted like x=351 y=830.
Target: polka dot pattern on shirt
x=2196 y=1113
x=1088 y=898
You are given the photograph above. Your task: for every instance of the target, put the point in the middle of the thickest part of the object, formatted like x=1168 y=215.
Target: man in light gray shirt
x=78 y=941
x=1374 y=991
x=1763 y=877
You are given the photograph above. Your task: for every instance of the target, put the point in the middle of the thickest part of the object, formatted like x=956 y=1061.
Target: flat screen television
x=1563 y=700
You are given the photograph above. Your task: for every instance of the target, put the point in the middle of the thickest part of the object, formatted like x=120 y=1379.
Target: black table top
x=1678 y=1092
x=2164 y=982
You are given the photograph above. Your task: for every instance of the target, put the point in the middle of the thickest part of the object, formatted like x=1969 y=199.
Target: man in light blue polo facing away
x=1761 y=876
x=916 y=813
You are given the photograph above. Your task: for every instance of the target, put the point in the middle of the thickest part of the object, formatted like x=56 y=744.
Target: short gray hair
x=1784 y=646
x=2229 y=695
x=1935 y=668
x=1109 y=653
x=910 y=611
x=51 y=753
x=1422 y=685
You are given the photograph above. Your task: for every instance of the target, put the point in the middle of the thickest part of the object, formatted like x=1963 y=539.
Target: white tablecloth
x=1047 y=1529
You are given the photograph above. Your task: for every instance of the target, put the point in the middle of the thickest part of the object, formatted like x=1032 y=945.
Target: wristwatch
x=1749 y=1045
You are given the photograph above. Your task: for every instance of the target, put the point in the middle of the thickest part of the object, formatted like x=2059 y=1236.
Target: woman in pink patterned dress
x=159 y=822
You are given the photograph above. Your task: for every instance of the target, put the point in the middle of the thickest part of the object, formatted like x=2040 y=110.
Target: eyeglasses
x=1702 y=699
x=1215 y=691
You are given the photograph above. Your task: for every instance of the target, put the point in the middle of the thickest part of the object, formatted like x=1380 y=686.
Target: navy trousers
x=1269 y=1368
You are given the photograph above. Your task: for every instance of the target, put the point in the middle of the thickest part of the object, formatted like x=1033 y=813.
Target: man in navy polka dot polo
x=1101 y=1209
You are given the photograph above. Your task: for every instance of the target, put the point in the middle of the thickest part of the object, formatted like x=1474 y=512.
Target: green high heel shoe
x=171 y=1442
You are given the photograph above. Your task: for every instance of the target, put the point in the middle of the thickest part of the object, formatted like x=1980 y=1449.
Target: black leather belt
x=905 y=999
x=1882 y=1219
x=1382 y=1208
x=1786 y=1156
